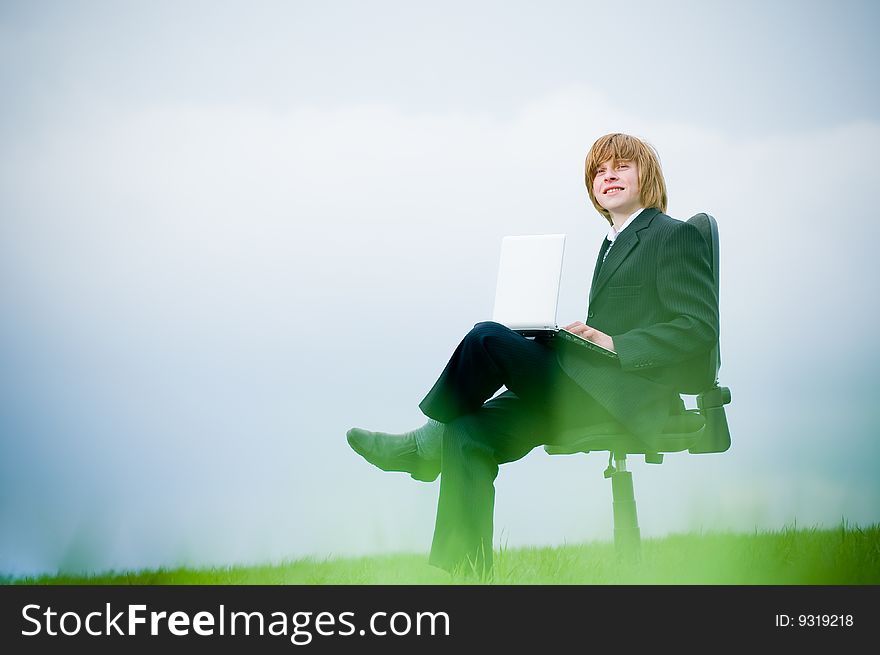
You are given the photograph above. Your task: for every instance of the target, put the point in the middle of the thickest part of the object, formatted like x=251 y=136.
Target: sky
x=231 y=231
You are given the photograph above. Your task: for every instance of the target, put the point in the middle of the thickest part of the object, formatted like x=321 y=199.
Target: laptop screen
x=529 y=275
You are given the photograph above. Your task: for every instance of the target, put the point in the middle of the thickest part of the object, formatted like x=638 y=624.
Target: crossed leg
x=482 y=433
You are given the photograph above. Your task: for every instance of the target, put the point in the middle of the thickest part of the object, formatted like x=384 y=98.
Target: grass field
x=845 y=555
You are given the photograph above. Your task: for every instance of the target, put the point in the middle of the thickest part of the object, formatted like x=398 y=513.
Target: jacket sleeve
x=686 y=292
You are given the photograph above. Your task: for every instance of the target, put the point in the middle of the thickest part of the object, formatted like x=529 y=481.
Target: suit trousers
x=481 y=431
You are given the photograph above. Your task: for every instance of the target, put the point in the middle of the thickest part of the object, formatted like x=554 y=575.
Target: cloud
x=203 y=297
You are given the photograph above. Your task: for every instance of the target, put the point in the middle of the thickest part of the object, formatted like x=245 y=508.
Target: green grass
x=845 y=555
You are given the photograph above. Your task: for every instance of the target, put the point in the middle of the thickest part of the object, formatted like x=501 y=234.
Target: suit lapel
x=596 y=270
x=623 y=245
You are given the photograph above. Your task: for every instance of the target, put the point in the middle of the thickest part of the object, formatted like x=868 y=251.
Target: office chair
x=699 y=431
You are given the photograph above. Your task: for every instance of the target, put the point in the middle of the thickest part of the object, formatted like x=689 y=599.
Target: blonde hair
x=652 y=186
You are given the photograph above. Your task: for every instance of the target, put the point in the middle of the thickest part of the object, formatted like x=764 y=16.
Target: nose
x=609 y=176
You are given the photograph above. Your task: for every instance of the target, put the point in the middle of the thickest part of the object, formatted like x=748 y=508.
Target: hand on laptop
x=590 y=334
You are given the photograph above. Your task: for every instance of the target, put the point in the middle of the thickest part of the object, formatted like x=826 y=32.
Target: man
x=652 y=301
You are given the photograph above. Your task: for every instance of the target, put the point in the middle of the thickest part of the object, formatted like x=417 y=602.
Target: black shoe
x=393 y=453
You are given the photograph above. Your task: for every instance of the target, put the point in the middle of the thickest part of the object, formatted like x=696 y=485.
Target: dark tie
x=607 y=250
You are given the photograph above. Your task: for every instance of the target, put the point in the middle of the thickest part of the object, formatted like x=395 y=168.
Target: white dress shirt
x=612 y=233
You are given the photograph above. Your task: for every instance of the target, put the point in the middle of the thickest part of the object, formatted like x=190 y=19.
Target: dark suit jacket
x=655 y=296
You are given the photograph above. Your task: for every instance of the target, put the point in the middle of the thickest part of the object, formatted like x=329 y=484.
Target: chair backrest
x=716 y=434
x=708 y=227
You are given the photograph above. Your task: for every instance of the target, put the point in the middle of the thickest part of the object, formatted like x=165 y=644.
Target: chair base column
x=627 y=537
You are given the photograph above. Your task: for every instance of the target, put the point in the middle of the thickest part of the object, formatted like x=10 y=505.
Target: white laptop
x=527 y=292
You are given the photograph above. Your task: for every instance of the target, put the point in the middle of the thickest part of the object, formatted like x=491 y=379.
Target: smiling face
x=631 y=165
x=616 y=187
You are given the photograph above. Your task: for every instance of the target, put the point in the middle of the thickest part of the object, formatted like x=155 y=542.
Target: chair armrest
x=715 y=397
x=716 y=436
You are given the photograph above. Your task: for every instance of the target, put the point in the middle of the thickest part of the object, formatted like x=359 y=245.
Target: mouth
x=610 y=191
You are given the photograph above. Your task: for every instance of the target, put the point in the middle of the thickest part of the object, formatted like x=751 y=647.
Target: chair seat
x=680 y=433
